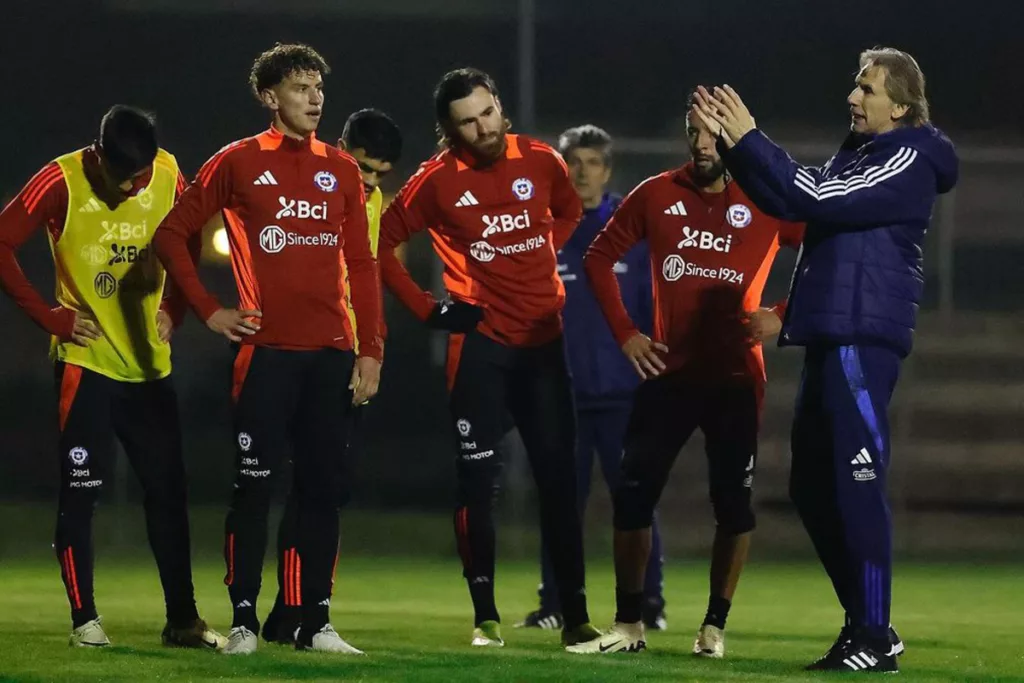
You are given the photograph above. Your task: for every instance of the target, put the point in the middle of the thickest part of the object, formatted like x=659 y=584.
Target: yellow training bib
x=105 y=265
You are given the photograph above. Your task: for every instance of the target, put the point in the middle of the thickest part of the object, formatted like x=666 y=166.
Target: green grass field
x=412 y=617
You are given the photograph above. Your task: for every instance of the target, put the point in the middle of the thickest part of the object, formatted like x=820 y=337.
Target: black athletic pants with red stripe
x=288 y=403
x=289 y=564
x=143 y=416
x=490 y=381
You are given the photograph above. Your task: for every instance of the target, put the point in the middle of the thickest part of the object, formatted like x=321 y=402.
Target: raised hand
x=724 y=110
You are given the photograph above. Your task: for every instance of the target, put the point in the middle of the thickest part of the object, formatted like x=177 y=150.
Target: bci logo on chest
x=506 y=222
x=705 y=241
x=122 y=231
x=300 y=208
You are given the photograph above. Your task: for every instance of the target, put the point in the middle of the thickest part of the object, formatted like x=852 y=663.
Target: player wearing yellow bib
x=373 y=139
x=110 y=331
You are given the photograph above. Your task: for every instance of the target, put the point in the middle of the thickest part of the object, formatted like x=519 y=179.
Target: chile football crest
x=326 y=181
x=523 y=189
x=739 y=215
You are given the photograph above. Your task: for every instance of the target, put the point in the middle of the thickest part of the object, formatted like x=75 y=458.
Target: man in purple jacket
x=853 y=306
x=603 y=380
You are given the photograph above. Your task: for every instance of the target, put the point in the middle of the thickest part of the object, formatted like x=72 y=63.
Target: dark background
x=958 y=441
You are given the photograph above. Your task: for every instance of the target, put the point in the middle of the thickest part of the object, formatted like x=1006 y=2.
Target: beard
x=489 y=148
x=704 y=176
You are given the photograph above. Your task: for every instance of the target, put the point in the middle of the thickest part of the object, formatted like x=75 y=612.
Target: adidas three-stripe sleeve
x=875 y=194
x=43 y=201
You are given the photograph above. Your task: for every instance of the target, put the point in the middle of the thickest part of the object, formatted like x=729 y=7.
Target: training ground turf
x=960 y=623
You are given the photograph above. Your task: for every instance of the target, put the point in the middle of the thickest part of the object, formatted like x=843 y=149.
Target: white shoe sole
x=622 y=646
x=487 y=642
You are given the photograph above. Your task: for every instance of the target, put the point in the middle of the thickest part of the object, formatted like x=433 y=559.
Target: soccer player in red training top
x=711 y=252
x=497 y=207
x=375 y=142
x=100 y=206
x=296 y=221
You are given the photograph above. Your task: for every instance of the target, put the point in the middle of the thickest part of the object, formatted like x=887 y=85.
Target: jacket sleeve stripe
x=875 y=180
x=900 y=162
x=829 y=184
x=838 y=182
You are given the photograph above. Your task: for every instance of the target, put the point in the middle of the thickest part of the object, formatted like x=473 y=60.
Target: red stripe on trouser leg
x=462 y=534
x=69 y=384
x=455 y=344
x=298 y=579
x=292 y=594
x=240 y=370
x=65 y=575
x=288 y=577
x=76 y=599
x=229 y=555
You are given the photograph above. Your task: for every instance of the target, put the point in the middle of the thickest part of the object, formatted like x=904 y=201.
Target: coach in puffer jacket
x=860 y=275
x=853 y=305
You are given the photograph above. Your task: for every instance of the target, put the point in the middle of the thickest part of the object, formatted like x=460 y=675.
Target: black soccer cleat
x=851 y=656
x=281 y=626
x=543 y=619
x=895 y=643
x=193 y=634
x=654 y=616
x=846 y=633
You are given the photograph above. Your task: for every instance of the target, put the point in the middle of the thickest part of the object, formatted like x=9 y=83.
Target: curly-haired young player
x=295 y=213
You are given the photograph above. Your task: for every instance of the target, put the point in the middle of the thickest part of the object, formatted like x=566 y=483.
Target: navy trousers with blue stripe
x=840 y=445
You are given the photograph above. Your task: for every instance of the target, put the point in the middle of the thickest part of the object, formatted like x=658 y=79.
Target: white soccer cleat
x=89 y=634
x=213 y=640
x=487 y=634
x=241 y=641
x=710 y=642
x=328 y=640
x=620 y=638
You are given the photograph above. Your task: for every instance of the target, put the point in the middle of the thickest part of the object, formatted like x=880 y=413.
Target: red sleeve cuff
x=424 y=307
x=372 y=348
x=207 y=308
x=61 y=323
x=624 y=335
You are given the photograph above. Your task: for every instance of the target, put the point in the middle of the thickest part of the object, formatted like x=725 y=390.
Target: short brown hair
x=280 y=62
x=904 y=81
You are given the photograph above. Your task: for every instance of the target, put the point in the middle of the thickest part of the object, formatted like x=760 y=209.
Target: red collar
x=273 y=139
x=684 y=176
x=465 y=159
